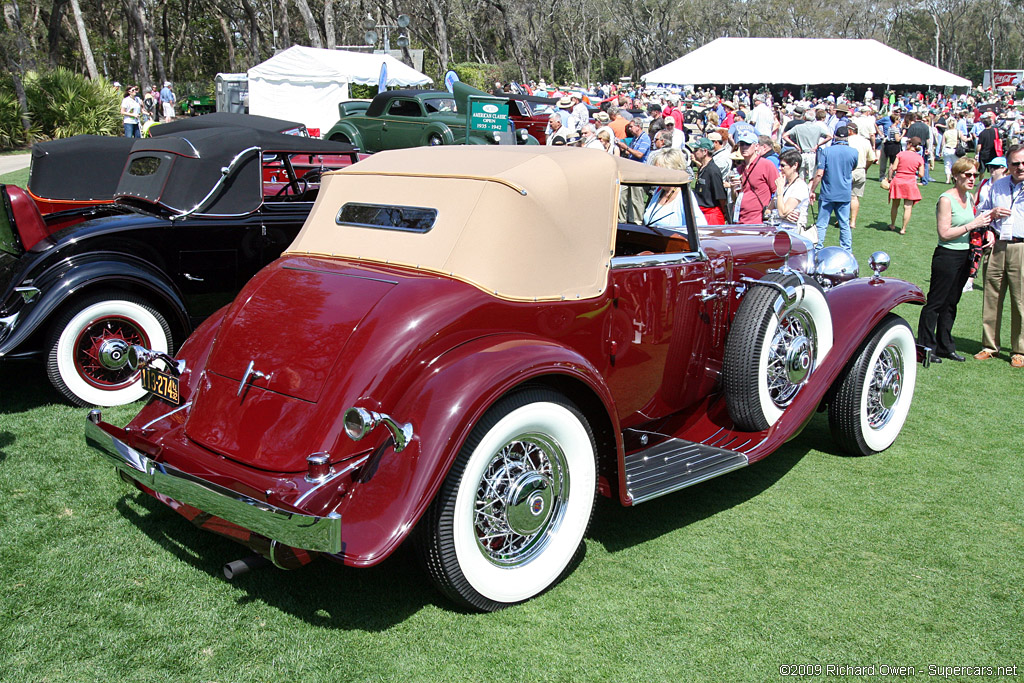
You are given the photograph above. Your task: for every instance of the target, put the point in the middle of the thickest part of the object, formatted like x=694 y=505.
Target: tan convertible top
x=524 y=222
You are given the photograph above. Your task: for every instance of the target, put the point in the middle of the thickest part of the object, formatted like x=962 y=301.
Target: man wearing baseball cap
x=712 y=197
x=756 y=180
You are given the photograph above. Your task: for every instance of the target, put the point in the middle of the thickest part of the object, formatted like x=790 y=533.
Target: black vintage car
x=195 y=215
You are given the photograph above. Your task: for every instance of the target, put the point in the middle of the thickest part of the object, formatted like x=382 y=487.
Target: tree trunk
x=513 y=37
x=154 y=45
x=311 y=28
x=53 y=27
x=141 y=53
x=83 y=37
x=284 y=22
x=329 y=24
x=438 y=12
x=229 y=41
x=12 y=19
x=255 y=35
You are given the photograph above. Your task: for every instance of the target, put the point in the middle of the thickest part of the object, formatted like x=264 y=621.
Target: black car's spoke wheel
x=773 y=347
x=875 y=390
x=88 y=348
x=511 y=515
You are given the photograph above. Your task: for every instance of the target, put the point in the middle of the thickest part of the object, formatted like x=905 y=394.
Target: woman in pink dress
x=902 y=176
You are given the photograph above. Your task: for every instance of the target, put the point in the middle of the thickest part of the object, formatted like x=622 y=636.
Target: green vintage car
x=398 y=119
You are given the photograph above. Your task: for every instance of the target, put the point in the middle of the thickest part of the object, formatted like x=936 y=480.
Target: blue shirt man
x=740 y=125
x=835 y=174
x=640 y=146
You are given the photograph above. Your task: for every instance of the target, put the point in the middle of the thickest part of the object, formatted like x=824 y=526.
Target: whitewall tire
x=874 y=393
x=88 y=344
x=512 y=513
x=773 y=347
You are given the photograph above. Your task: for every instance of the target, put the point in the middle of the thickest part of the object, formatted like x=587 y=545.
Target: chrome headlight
x=359 y=422
x=804 y=262
x=833 y=266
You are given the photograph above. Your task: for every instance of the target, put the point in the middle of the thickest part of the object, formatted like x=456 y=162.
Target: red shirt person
x=756 y=181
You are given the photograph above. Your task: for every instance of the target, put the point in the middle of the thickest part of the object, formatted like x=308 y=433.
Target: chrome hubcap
x=113 y=353
x=885 y=384
x=520 y=499
x=528 y=503
x=798 y=360
x=790 y=356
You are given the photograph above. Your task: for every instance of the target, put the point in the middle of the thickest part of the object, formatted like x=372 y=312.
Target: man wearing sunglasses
x=1004 y=268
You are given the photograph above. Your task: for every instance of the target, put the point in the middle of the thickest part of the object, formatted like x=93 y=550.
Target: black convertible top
x=534 y=99
x=183 y=173
x=80 y=168
x=224 y=119
x=380 y=102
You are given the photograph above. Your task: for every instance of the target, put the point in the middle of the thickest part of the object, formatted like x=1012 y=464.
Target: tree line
x=562 y=41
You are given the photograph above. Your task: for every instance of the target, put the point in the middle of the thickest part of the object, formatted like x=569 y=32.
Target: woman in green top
x=954 y=217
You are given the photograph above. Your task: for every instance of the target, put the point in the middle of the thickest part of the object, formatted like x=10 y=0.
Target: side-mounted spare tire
x=774 y=345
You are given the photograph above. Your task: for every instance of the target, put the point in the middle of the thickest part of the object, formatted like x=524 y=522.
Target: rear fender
x=348 y=130
x=88 y=271
x=443 y=404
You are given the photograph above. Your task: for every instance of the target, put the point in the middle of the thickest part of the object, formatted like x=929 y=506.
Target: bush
x=11 y=134
x=64 y=103
x=480 y=76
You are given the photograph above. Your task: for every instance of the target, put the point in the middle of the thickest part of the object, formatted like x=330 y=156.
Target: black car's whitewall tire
x=876 y=388
x=513 y=511
x=772 y=349
x=87 y=359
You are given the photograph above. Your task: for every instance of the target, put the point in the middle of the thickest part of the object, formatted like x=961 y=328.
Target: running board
x=675 y=464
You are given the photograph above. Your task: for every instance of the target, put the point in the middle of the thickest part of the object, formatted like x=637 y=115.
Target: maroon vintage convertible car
x=462 y=348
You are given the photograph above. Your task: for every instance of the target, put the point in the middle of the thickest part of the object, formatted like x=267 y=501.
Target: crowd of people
x=140 y=112
x=758 y=159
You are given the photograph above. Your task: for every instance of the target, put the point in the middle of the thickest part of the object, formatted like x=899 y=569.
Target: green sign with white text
x=488 y=115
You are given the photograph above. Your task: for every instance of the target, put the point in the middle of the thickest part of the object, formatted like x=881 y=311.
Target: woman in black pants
x=951 y=263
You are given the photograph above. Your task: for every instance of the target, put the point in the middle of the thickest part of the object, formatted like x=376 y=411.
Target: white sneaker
x=969 y=286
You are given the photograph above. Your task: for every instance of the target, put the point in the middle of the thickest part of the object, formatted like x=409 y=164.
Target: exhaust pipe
x=233 y=570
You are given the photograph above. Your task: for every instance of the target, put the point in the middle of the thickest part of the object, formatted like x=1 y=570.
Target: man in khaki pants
x=1004 y=268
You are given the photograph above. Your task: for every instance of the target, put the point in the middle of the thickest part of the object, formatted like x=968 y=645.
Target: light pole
x=374 y=31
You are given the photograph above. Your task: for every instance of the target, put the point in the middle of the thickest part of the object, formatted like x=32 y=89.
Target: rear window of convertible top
x=387 y=217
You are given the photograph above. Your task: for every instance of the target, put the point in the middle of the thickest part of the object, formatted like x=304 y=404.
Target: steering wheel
x=299 y=187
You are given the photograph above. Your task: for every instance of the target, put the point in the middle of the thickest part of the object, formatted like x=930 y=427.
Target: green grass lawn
x=908 y=558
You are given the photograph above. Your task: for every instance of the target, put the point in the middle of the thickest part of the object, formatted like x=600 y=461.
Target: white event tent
x=800 y=61
x=306 y=83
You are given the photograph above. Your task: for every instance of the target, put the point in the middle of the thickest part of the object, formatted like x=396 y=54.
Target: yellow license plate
x=161 y=384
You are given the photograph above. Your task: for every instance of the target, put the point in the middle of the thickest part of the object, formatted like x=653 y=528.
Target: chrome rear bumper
x=321 y=534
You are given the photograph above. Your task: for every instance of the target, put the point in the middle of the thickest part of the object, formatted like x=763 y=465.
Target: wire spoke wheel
x=519 y=500
x=873 y=395
x=775 y=343
x=790 y=356
x=885 y=386
x=101 y=351
x=88 y=347
x=510 y=518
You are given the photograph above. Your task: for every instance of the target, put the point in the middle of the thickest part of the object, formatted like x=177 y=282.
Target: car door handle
x=193 y=279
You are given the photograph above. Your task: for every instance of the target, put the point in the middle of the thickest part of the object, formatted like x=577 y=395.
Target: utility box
x=233 y=93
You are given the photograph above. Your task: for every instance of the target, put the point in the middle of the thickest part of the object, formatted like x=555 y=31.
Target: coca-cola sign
x=1007 y=79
